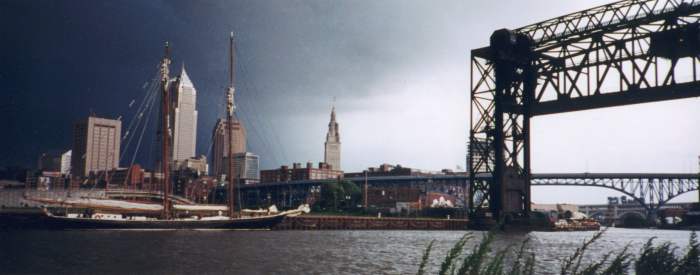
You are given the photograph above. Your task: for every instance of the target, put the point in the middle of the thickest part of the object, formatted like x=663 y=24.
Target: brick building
x=386 y=170
x=297 y=172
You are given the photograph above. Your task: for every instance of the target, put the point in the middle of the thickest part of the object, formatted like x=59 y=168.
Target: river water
x=276 y=252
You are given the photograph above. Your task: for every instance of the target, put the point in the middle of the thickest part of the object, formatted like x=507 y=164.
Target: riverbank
x=317 y=222
x=33 y=218
x=680 y=227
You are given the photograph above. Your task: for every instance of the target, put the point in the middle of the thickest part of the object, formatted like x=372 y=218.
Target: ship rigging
x=110 y=213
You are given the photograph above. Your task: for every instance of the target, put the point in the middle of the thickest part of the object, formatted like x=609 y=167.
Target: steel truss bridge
x=627 y=52
x=613 y=213
x=651 y=191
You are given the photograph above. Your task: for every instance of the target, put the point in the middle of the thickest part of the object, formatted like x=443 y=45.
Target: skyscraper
x=332 y=149
x=221 y=141
x=184 y=118
x=96 y=143
x=65 y=162
x=247 y=167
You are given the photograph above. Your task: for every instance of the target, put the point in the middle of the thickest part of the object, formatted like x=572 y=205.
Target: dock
x=311 y=222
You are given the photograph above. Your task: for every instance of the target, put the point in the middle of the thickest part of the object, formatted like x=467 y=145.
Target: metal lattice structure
x=652 y=191
x=626 y=52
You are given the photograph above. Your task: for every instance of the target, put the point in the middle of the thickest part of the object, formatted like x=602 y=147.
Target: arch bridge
x=651 y=191
x=609 y=213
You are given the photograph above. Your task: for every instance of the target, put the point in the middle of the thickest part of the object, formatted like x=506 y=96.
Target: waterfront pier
x=313 y=222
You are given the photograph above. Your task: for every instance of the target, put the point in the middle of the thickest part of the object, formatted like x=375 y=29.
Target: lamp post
x=364 y=193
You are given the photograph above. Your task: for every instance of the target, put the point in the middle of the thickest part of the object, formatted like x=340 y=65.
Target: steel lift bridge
x=623 y=53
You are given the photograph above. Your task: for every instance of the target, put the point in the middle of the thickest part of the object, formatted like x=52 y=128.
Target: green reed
x=656 y=259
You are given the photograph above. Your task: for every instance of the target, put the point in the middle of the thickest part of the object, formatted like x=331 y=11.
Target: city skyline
x=349 y=136
x=381 y=95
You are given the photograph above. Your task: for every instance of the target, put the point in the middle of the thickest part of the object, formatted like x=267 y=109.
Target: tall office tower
x=65 y=162
x=247 y=167
x=96 y=144
x=221 y=141
x=332 y=149
x=184 y=118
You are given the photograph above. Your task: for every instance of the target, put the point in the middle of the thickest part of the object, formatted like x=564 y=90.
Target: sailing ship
x=118 y=214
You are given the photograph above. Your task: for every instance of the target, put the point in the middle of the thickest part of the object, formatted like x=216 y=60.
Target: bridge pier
x=652 y=216
x=500 y=133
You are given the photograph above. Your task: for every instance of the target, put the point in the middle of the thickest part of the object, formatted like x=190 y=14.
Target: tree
x=634 y=221
x=351 y=191
x=331 y=192
x=344 y=194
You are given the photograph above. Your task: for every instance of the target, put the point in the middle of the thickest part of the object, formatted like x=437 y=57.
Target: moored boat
x=44 y=218
x=115 y=221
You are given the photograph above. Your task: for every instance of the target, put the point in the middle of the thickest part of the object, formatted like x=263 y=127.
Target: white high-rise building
x=65 y=162
x=184 y=118
x=332 y=145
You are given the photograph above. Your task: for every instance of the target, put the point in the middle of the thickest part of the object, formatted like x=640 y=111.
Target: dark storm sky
x=64 y=60
x=399 y=71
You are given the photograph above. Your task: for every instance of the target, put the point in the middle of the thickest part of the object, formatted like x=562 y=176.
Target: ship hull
x=48 y=221
x=242 y=223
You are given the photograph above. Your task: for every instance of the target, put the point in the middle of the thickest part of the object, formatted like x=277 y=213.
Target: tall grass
x=659 y=259
x=426 y=258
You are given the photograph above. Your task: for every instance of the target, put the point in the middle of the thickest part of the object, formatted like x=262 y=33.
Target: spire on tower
x=185 y=78
x=333 y=115
x=333 y=111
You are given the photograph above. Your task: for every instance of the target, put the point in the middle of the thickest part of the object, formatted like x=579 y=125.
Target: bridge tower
x=626 y=52
x=500 y=136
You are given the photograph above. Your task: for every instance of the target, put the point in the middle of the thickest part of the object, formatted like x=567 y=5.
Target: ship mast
x=165 y=134
x=230 y=109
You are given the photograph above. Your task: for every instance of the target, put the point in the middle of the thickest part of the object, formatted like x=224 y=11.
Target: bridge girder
x=652 y=191
x=647 y=188
x=623 y=53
